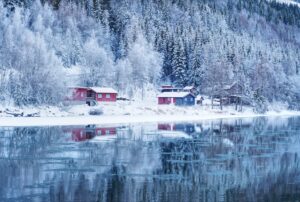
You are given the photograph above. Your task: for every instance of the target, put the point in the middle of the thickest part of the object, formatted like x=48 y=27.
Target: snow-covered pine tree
x=179 y=62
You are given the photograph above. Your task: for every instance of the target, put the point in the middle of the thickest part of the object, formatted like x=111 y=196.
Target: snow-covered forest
x=136 y=45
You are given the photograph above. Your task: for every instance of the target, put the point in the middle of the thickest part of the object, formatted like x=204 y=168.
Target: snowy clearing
x=119 y=119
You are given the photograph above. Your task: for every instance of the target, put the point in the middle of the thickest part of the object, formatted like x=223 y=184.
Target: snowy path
x=85 y=120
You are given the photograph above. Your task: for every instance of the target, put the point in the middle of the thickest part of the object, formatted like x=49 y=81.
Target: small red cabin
x=87 y=94
x=103 y=94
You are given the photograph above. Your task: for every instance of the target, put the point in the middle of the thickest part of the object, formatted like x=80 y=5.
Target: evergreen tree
x=179 y=62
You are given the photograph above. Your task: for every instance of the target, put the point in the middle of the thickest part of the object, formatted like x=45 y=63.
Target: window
x=107 y=132
x=81 y=94
x=107 y=95
x=99 y=95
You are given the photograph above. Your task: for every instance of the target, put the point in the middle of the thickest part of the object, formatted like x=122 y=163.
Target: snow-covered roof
x=174 y=94
x=103 y=90
x=188 y=88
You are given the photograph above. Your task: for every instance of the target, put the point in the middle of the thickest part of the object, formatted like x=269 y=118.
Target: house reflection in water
x=83 y=133
x=186 y=128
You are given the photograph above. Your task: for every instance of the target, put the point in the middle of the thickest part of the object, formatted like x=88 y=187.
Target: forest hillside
x=137 y=45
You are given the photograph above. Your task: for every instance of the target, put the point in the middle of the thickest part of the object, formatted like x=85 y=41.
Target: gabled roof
x=188 y=88
x=174 y=94
x=103 y=90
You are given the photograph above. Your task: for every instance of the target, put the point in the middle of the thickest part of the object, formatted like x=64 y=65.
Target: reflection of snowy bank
x=104 y=138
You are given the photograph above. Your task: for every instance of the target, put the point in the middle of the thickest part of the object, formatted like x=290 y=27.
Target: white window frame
x=107 y=95
x=100 y=95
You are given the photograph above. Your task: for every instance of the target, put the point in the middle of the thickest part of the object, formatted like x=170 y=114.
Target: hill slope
x=136 y=45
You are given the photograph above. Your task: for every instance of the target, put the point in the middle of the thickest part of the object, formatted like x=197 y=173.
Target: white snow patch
x=103 y=90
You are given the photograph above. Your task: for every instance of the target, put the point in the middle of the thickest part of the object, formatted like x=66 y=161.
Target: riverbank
x=111 y=115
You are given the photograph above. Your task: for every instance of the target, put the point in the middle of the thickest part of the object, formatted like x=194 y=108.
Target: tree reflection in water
x=222 y=160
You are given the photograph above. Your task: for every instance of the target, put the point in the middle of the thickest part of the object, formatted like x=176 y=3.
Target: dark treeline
x=141 y=44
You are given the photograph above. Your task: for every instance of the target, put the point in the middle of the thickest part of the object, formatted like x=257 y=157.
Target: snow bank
x=126 y=112
x=118 y=119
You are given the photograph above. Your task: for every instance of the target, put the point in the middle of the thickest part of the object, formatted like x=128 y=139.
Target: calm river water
x=221 y=160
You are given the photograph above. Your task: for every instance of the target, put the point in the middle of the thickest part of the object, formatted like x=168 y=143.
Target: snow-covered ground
x=127 y=112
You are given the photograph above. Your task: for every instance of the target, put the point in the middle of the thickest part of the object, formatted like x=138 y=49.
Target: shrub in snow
x=96 y=111
x=259 y=103
x=293 y=102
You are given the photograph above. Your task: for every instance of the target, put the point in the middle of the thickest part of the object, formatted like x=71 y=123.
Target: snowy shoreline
x=126 y=119
x=128 y=112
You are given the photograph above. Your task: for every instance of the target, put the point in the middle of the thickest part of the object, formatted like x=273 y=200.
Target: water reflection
x=222 y=160
x=83 y=133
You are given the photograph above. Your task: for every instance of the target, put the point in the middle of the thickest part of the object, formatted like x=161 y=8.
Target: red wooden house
x=88 y=94
x=102 y=94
